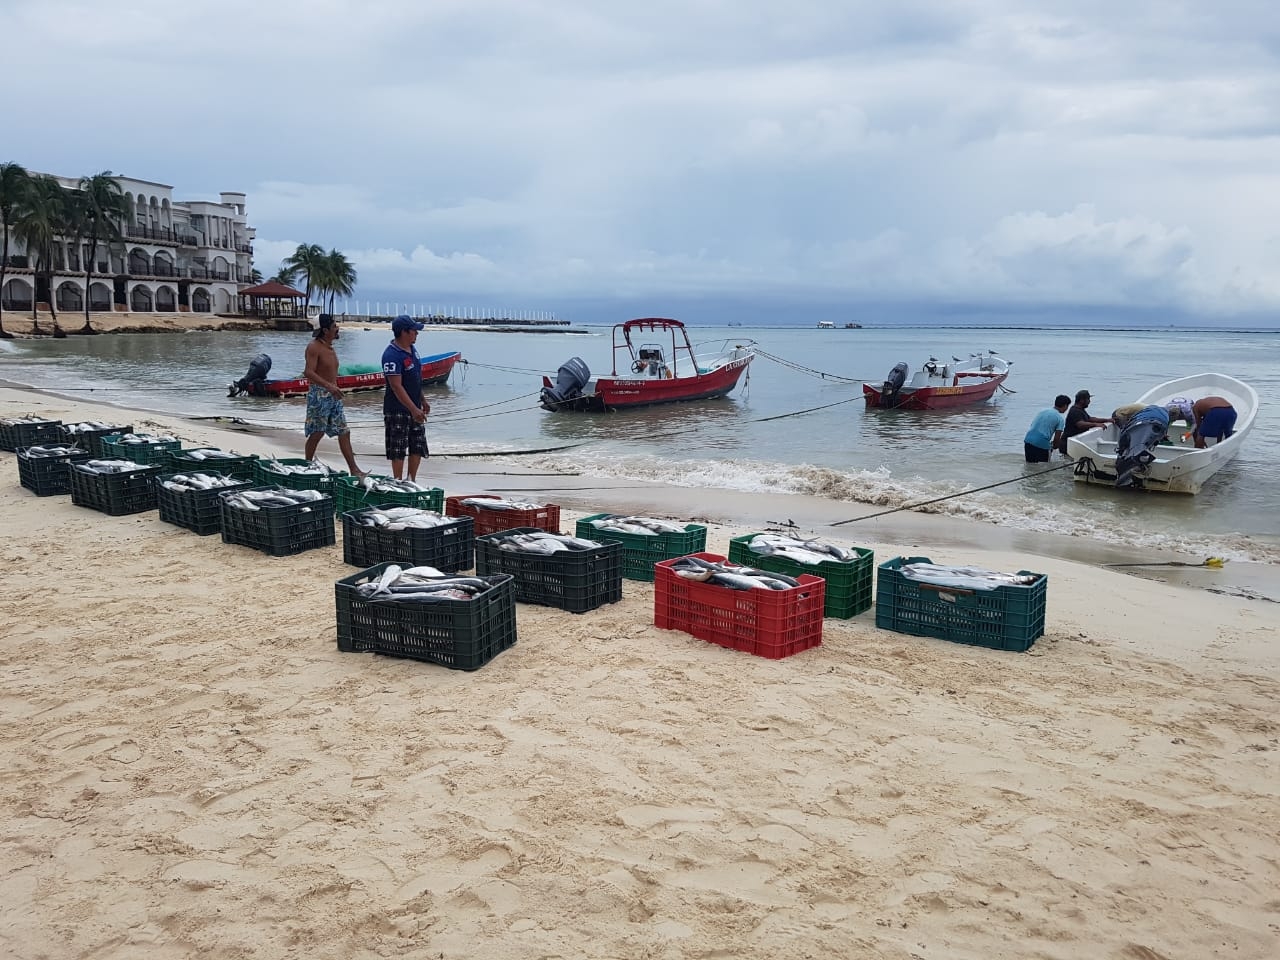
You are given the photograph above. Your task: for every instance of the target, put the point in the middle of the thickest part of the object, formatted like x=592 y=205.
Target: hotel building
x=176 y=257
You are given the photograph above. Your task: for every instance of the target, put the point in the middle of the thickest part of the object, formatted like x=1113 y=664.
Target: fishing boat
x=1172 y=464
x=938 y=385
x=435 y=370
x=658 y=364
x=826 y=325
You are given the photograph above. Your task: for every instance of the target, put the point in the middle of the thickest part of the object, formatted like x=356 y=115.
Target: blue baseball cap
x=405 y=322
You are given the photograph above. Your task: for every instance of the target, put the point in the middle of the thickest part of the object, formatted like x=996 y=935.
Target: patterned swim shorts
x=324 y=414
x=402 y=435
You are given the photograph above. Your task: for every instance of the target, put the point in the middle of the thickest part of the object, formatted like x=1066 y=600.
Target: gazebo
x=271 y=300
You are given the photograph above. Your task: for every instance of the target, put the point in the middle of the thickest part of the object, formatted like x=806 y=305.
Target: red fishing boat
x=658 y=365
x=435 y=370
x=938 y=385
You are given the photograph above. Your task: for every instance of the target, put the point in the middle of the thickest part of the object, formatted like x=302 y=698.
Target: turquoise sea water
x=841 y=451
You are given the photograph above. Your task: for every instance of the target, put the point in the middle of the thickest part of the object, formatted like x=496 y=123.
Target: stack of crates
x=1009 y=617
x=572 y=580
x=492 y=520
x=91 y=440
x=237 y=467
x=263 y=475
x=115 y=494
x=279 y=531
x=641 y=552
x=459 y=634
x=199 y=511
x=448 y=547
x=18 y=433
x=47 y=475
x=848 y=581
x=350 y=494
x=767 y=623
x=148 y=452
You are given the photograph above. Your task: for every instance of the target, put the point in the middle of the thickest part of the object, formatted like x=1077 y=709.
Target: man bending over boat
x=326 y=416
x=1215 y=419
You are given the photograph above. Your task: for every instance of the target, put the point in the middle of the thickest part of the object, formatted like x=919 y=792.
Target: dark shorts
x=403 y=436
x=1035 y=454
x=1218 y=423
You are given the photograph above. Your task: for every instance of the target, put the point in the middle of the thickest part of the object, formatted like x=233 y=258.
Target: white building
x=177 y=256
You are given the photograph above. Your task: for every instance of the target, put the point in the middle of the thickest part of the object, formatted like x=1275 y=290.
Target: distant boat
x=435 y=370
x=853 y=326
x=939 y=386
x=826 y=325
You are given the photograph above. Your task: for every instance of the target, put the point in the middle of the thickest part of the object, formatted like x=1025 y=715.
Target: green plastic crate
x=238 y=468
x=269 y=478
x=848 y=581
x=349 y=495
x=1007 y=618
x=640 y=553
x=148 y=454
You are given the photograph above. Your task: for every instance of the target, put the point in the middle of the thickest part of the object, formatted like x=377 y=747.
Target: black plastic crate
x=91 y=440
x=640 y=551
x=151 y=454
x=19 y=434
x=114 y=494
x=46 y=476
x=278 y=531
x=198 y=510
x=572 y=580
x=459 y=634
x=238 y=468
x=448 y=548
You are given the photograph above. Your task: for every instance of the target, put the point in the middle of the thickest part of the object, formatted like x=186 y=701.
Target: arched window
x=100 y=297
x=139 y=263
x=140 y=299
x=200 y=300
x=17 y=295
x=69 y=297
x=165 y=300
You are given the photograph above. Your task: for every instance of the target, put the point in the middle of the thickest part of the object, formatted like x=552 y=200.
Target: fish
x=56 y=450
x=400 y=518
x=415 y=584
x=272 y=497
x=374 y=484
x=643 y=526
x=965 y=578
x=810 y=551
x=730 y=575
x=498 y=503
x=312 y=468
x=543 y=542
x=145 y=438
x=109 y=466
x=186 y=483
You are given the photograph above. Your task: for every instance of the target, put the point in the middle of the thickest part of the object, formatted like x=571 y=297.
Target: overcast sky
x=539 y=152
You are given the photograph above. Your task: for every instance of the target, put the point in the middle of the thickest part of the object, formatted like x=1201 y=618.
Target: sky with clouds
x=541 y=153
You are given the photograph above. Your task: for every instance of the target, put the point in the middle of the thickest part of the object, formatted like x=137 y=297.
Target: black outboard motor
x=889 y=389
x=1139 y=437
x=571 y=378
x=252 y=382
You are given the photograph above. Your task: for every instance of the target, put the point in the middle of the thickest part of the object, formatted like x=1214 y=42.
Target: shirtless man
x=325 y=414
x=1215 y=419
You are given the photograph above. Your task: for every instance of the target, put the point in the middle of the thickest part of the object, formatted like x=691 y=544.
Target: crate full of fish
x=423 y=613
x=407 y=535
x=765 y=613
x=1004 y=611
x=571 y=573
x=114 y=487
x=145 y=448
x=17 y=433
x=296 y=474
x=847 y=570
x=645 y=540
x=90 y=434
x=277 y=520
x=493 y=513
x=43 y=468
x=206 y=459
x=191 y=499
x=351 y=493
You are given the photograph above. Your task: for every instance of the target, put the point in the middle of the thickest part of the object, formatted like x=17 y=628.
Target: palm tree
x=339 y=275
x=14 y=183
x=255 y=277
x=307 y=261
x=284 y=275
x=43 y=219
x=103 y=207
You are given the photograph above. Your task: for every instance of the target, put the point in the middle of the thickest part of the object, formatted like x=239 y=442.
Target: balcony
x=154 y=234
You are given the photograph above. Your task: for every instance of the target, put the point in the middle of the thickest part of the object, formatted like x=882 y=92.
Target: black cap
x=1082 y=395
x=323 y=323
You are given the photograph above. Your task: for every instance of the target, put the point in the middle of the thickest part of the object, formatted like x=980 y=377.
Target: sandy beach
x=192 y=769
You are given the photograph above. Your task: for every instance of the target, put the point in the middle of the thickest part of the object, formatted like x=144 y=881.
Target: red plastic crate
x=494 y=521
x=767 y=623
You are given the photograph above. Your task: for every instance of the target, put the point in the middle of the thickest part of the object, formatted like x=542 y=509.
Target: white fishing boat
x=1176 y=464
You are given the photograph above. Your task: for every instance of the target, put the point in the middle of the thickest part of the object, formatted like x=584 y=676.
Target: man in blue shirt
x=404 y=412
x=1046 y=431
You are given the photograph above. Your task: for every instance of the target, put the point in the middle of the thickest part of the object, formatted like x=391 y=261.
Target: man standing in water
x=404 y=412
x=325 y=413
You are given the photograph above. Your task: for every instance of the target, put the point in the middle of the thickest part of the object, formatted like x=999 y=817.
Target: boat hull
x=623 y=393
x=435 y=370
x=935 y=398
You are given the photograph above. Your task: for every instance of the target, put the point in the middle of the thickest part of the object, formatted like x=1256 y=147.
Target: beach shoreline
x=191 y=768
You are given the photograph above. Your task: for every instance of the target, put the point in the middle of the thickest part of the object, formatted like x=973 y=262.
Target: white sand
x=192 y=769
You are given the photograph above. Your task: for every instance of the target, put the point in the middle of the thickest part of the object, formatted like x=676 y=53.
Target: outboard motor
x=889 y=389
x=571 y=378
x=252 y=381
x=1139 y=437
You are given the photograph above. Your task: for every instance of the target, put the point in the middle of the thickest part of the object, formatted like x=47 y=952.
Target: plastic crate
x=768 y=623
x=494 y=521
x=573 y=580
x=238 y=468
x=46 y=476
x=459 y=634
x=640 y=552
x=19 y=434
x=149 y=454
x=293 y=481
x=1007 y=618
x=848 y=581
x=91 y=440
x=198 y=510
x=114 y=494
x=448 y=547
x=350 y=495
x=278 y=531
